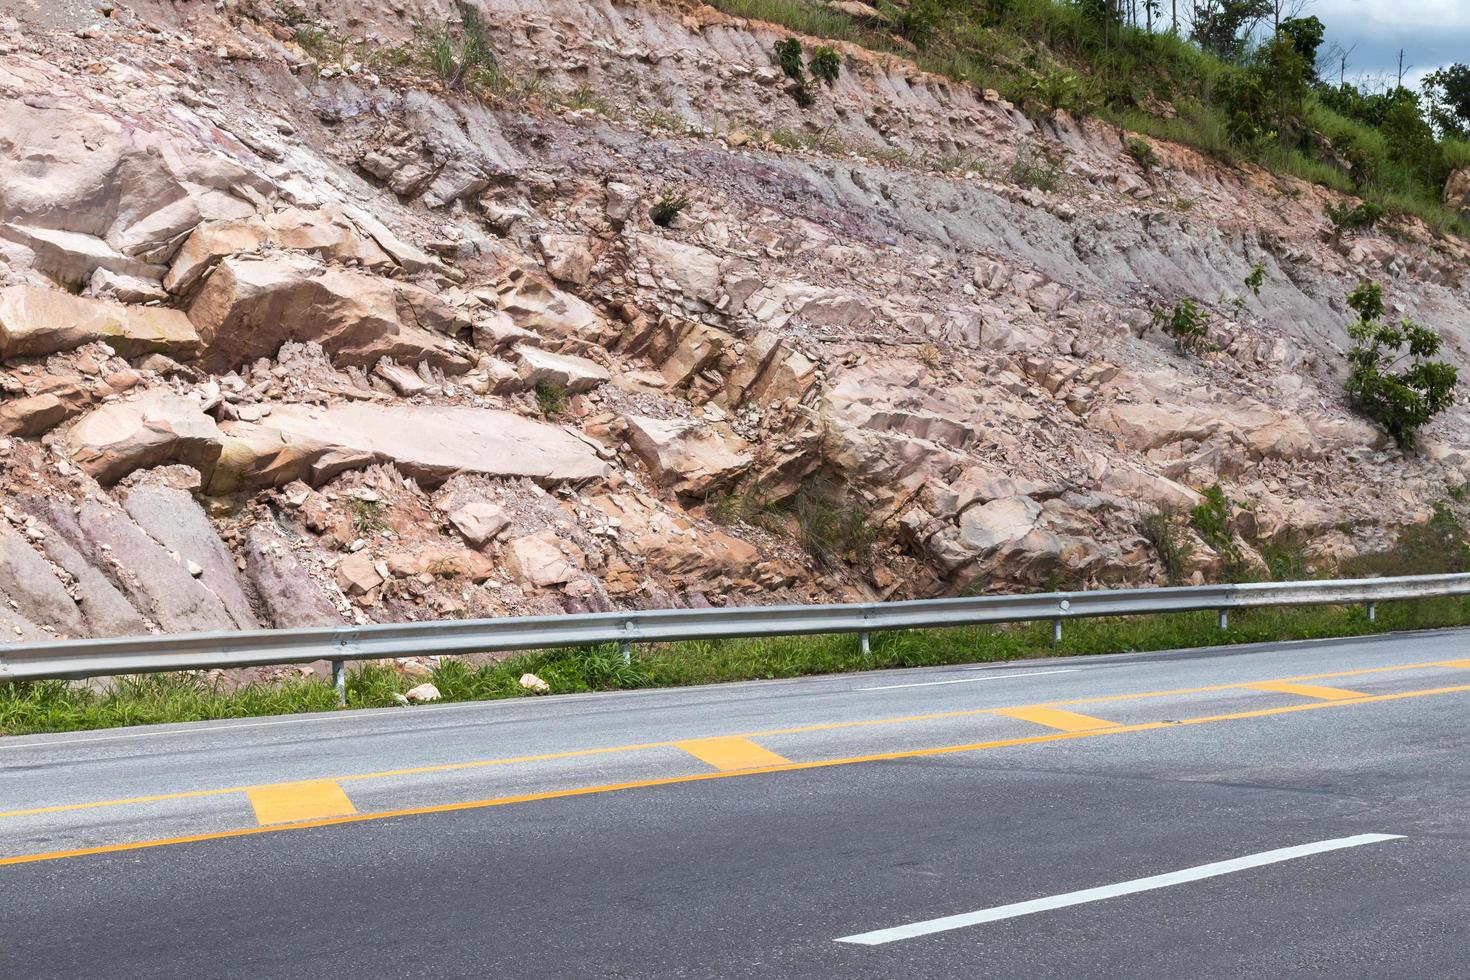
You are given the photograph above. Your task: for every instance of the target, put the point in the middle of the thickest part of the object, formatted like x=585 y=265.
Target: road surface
x=1292 y=810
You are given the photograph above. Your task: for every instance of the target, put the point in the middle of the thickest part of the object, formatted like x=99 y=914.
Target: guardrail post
x=339 y=681
x=1056 y=632
x=1372 y=612
x=1224 y=619
x=625 y=648
x=864 y=646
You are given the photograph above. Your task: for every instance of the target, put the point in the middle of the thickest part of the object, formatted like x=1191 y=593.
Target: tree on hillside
x=1448 y=93
x=1224 y=26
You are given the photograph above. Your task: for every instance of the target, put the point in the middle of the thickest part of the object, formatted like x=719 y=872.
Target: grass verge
x=57 y=706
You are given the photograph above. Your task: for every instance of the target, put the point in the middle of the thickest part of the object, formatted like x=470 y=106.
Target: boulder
x=72 y=258
x=568 y=258
x=249 y=307
x=479 y=521
x=690 y=458
x=327 y=233
x=534 y=684
x=357 y=574
x=573 y=374
x=36 y=322
x=427 y=443
x=154 y=428
x=33 y=416
x=542 y=559
x=423 y=694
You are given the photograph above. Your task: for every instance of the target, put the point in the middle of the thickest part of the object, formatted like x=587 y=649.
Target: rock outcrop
x=288 y=342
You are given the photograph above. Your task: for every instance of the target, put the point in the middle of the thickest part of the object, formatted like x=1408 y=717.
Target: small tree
x=1399 y=399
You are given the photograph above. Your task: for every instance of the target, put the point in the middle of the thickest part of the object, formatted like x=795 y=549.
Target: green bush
x=825 y=64
x=457 y=56
x=667 y=209
x=551 y=397
x=1402 y=400
x=1256 y=279
x=1188 y=324
x=788 y=55
x=1142 y=152
x=1211 y=521
x=1360 y=217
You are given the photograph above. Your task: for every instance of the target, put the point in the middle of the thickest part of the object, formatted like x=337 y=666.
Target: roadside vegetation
x=56 y=706
x=1228 y=81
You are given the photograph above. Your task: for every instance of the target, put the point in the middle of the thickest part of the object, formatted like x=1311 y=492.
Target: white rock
x=534 y=684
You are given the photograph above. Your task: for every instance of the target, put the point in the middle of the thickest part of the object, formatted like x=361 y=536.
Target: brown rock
x=542 y=559
x=247 y=308
x=35 y=322
x=155 y=428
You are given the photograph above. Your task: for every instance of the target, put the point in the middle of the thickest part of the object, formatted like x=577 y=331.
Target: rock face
x=1457 y=190
x=35 y=322
x=427 y=444
x=277 y=334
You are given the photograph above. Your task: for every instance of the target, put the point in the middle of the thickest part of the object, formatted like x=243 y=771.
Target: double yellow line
x=1327 y=698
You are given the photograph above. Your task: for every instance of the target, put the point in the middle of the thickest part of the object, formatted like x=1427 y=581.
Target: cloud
x=1431 y=33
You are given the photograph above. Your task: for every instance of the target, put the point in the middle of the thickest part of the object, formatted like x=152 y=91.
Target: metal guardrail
x=204 y=651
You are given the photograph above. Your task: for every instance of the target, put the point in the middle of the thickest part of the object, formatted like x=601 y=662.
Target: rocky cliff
x=294 y=330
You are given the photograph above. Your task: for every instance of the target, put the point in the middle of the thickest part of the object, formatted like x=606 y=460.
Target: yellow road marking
x=298 y=802
x=700 y=777
x=639 y=746
x=1308 y=691
x=1065 y=721
x=731 y=753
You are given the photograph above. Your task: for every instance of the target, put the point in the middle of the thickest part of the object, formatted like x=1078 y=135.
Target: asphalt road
x=1272 y=811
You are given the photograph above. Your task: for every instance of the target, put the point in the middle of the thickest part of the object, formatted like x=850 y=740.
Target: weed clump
x=1035 y=169
x=551 y=397
x=667 y=209
x=1161 y=529
x=835 y=528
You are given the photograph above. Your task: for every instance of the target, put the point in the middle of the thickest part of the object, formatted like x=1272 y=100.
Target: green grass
x=55 y=706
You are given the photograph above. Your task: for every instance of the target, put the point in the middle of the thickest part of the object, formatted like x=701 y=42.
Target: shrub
x=457 y=57
x=1188 y=324
x=1211 y=521
x=1142 y=151
x=1256 y=279
x=788 y=55
x=667 y=209
x=550 y=397
x=825 y=64
x=1403 y=400
x=751 y=505
x=1344 y=219
x=1033 y=168
x=1160 y=528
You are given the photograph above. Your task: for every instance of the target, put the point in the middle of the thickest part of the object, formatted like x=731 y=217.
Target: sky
x=1432 y=33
